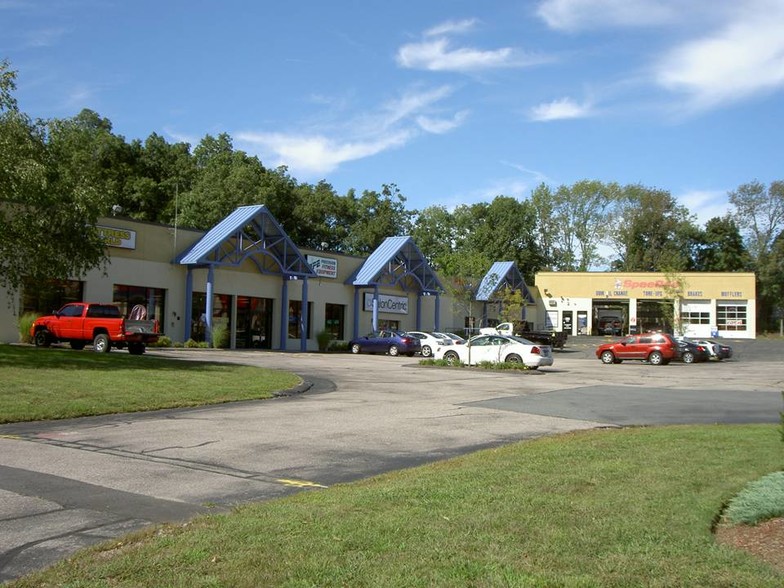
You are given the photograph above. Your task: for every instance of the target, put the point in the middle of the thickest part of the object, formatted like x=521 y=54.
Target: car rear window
x=103 y=311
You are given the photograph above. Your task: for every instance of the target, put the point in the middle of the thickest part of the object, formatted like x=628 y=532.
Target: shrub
x=323 y=338
x=760 y=500
x=221 y=337
x=339 y=346
x=163 y=341
x=191 y=344
x=24 y=323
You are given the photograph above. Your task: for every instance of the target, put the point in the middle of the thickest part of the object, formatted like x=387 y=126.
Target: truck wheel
x=136 y=348
x=101 y=343
x=42 y=338
x=78 y=345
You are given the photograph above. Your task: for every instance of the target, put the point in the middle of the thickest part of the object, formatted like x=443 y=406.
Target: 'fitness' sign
x=387 y=303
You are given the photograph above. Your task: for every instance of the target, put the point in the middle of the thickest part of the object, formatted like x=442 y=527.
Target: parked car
x=456 y=339
x=717 y=350
x=655 y=348
x=386 y=341
x=496 y=349
x=430 y=341
x=691 y=352
x=611 y=325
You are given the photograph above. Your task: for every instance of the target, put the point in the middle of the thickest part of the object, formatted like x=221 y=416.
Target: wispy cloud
x=705 y=204
x=45 y=37
x=436 y=52
x=576 y=15
x=565 y=108
x=741 y=60
x=393 y=125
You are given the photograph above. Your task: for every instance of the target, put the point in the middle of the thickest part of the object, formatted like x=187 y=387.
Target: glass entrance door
x=254 y=322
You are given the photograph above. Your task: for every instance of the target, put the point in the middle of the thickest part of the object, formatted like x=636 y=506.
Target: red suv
x=655 y=348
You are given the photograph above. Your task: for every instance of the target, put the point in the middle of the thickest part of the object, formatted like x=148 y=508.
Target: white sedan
x=497 y=348
x=430 y=341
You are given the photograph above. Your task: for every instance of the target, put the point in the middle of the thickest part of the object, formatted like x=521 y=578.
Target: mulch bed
x=764 y=540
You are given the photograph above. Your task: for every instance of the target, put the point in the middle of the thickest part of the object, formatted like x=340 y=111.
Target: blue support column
x=210 y=289
x=375 y=308
x=357 y=311
x=188 y=303
x=303 y=342
x=284 y=313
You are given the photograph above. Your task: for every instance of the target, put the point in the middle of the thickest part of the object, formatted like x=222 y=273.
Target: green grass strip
x=603 y=508
x=42 y=384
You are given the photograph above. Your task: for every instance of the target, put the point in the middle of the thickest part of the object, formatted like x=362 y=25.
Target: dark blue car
x=386 y=341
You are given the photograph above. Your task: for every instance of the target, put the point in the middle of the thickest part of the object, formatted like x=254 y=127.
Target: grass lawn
x=615 y=507
x=56 y=383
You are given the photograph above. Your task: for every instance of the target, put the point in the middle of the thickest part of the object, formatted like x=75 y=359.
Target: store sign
x=387 y=303
x=325 y=267
x=122 y=238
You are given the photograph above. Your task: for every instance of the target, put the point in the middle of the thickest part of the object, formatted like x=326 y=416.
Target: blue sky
x=454 y=101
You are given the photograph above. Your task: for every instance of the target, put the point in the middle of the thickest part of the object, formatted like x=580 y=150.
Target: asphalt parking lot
x=68 y=484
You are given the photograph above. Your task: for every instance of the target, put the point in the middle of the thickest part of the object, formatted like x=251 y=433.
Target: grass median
x=631 y=507
x=56 y=383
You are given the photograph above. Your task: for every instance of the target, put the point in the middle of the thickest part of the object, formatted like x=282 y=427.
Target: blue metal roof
x=502 y=273
x=248 y=232
x=397 y=262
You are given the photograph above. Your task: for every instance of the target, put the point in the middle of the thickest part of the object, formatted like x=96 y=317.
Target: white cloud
x=436 y=53
x=451 y=27
x=565 y=108
x=316 y=154
x=395 y=124
x=574 y=15
x=439 y=126
x=743 y=59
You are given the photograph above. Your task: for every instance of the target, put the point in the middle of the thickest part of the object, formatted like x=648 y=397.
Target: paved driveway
x=68 y=484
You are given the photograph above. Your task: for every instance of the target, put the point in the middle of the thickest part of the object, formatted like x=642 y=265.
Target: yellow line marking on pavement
x=10 y=437
x=301 y=483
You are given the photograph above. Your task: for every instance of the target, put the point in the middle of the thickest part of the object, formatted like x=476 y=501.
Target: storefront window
x=44 y=297
x=334 y=320
x=153 y=299
x=731 y=316
x=295 y=319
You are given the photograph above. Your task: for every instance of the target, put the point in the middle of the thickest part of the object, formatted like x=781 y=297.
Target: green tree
x=224 y=180
x=377 y=216
x=759 y=212
x=651 y=232
x=503 y=230
x=48 y=213
x=434 y=232
x=322 y=218
x=163 y=171
x=722 y=248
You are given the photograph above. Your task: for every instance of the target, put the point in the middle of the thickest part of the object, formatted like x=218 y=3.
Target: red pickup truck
x=81 y=323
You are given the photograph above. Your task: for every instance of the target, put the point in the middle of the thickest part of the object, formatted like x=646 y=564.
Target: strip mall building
x=247 y=276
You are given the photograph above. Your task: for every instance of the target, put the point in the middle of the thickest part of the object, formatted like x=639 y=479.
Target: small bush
x=163 y=341
x=323 y=338
x=440 y=363
x=191 y=344
x=24 y=323
x=339 y=346
x=221 y=337
x=760 y=500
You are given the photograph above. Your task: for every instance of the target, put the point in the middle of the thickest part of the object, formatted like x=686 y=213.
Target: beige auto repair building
x=614 y=303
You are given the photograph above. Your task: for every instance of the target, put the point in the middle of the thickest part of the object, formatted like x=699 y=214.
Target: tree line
x=58 y=176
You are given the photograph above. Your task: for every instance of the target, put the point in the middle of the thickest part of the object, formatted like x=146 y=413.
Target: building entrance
x=610 y=318
x=254 y=322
